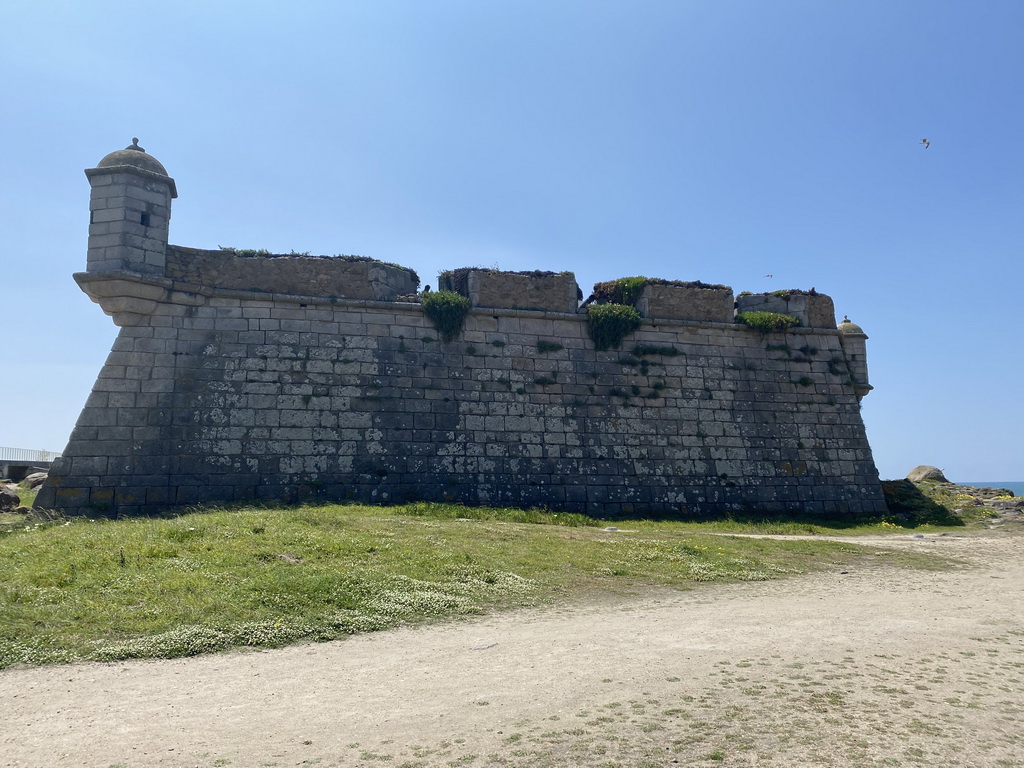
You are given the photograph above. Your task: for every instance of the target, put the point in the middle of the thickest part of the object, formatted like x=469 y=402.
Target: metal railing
x=26 y=454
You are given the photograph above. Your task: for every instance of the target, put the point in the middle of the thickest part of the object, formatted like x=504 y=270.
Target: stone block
x=814 y=310
x=692 y=301
x=291 y=274
x=547 y=291
x=71 y=498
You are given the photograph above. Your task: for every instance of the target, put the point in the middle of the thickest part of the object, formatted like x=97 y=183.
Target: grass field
x=73 y=589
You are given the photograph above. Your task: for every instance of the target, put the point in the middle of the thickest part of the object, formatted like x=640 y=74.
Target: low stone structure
x=257 y=377
x=687 y=302
x=812 y=309
x=547 y=291
x=346 y=277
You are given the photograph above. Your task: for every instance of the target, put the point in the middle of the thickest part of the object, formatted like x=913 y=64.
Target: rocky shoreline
x=1000 y=503
x=997 y=506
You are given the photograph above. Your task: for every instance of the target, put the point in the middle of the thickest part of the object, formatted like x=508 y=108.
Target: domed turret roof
x=133 y=155
x=847 y=327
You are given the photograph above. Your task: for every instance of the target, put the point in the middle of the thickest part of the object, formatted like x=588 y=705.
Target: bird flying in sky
x=926 y=143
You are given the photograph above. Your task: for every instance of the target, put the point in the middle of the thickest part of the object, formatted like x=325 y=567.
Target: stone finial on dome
x=135 y=145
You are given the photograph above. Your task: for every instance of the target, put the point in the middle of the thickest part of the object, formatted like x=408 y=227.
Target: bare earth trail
x=878 y=666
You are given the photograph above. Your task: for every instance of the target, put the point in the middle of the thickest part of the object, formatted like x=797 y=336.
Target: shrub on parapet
x=765 y=322
x=788 y=293
x=447 y=310
x=627 y=290
x=609 y=324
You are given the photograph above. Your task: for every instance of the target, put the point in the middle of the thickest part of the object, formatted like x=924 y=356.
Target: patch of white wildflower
x=377 y=602
x=461 y=593
x=696 y=562
x=34 y=653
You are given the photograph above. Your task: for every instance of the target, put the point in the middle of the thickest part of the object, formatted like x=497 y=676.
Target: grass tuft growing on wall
x=544 y=346
x=627 y=290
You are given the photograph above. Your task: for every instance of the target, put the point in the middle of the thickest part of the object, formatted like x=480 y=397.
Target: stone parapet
x=812 y=309
x=546 y=291
x=686 y=302
x=338 y=276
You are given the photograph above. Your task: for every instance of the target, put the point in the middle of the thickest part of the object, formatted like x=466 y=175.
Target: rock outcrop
x=35 y=479
x=8 y=499
x=926 y=472
x=994 y=506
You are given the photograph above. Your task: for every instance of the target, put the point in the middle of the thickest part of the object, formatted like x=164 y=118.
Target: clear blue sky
x=715 y=140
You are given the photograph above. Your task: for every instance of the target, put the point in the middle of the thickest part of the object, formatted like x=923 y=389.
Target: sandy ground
x=876 y=666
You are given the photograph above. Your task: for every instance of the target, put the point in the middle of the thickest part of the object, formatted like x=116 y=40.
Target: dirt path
x=874 y=667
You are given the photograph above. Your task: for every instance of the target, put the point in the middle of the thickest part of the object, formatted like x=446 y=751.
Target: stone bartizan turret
x=853 y=339
x=130 y=209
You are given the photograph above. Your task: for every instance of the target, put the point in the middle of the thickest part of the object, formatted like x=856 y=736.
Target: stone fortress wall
x=241 y=378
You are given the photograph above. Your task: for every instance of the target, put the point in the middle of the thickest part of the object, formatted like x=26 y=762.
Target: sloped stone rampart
x=232 y=396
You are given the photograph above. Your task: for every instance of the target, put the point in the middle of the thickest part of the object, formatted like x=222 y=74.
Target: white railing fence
x=26 y=454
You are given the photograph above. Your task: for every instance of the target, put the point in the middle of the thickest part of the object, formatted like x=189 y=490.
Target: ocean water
x=1016 y=487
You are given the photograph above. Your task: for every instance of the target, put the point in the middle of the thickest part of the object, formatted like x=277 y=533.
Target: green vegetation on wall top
x=447 y=310
x=609 y=324
x=765 y=322
x=627 y=290
x=788 y=293
x=612 y=315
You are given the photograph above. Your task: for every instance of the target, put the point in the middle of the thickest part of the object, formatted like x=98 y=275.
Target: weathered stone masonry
x=287 y=378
